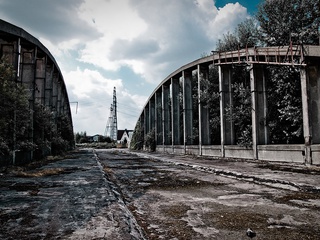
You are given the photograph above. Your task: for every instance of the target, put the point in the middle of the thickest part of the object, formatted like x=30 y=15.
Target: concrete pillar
x=187 y=108
x=49 y=85
x=152 y=113
x=204 y=129
x=146 y=123
x=222 y=105
x=59 y=93
x=166 y=114
x=55 y=92
x=40 y=75
x=158 y=117
x=310 y=93
x=175 y=111
x=227 y=128
x=27 y=78
x=259 y=108
x=310 y=86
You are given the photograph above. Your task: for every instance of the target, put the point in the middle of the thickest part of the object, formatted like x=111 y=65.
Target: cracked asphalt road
x=112 y=194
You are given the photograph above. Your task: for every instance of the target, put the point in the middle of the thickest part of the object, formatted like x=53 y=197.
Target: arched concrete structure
x=173 y=121
x=37 y=69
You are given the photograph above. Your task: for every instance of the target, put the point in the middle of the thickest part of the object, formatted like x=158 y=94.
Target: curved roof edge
x=20 y=32
x=16 y=31
x=235 y=56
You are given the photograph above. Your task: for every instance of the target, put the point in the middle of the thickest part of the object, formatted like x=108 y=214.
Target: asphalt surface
x=277 y=174
x=118 y=194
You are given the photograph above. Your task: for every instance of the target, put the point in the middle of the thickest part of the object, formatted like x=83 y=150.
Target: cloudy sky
x=128 y=44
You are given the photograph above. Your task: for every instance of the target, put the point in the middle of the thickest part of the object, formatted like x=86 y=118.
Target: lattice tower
x=112 y=124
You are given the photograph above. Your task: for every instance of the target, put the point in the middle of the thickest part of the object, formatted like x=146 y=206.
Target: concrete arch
x=36 y=69
x=169 y=111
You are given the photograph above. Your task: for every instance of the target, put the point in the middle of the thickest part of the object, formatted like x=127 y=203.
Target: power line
x=128 y=114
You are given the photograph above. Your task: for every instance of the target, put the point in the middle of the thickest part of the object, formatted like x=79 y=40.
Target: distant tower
x=112 y=125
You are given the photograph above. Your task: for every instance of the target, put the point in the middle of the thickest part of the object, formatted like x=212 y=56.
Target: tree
x=282 y=21
x=43 y=126
x=137 y=137
x=284 y=105
x=245 y=35
x=229 y=42
x=14 y=111
x=239 y=111
x=210 y=98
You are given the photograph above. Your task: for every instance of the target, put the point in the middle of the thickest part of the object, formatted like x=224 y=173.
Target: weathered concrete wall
x=37 y=70
x=182 y=119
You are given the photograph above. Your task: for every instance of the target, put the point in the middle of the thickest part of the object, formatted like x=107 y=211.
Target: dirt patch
x=313 y=170
x=236 y=220
x=295 y=198
x=173 y=225
x=171 y=182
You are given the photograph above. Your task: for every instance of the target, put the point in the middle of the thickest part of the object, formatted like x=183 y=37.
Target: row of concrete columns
x=173 y=98
x=170 y=128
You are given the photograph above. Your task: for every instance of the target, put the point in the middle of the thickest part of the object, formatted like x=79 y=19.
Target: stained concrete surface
x=112 y=194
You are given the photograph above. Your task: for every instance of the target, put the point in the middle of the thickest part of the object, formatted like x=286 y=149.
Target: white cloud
x=94 y=94
x=227 y=19
x=94 y=40
x=115 y=20
x=155 y=37
x=88 y=83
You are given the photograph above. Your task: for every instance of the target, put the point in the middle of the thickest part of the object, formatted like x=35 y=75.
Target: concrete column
x=49 y=85
x=59 y=93
x=199 y=77
x=55 y=91
x=175 y=111
x=28 y=80
x=64 y=100
x=222 y=105
x=259 y=108
x=158 y=117
x=204 y=129
x=146 y=123
x=152 y=114
x=307 y=105
x=187 y=107
x=166 y=114
x=40 y=75
x=310 y=86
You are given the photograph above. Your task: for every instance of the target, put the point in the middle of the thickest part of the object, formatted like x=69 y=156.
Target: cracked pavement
x=118 y=194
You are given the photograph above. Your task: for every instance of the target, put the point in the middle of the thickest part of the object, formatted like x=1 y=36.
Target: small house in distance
x=124 y=137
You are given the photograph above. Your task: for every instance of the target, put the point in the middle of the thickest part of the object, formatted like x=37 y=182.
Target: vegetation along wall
x=35 y=116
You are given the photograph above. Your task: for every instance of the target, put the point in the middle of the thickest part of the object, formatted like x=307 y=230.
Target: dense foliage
x=28 y=129
x=277 y=23
x=239 y=112
x=209 y=97
x=284 y=105
x=14 y=111
x=282 y=21
x=137 y=139
x=245 y=35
